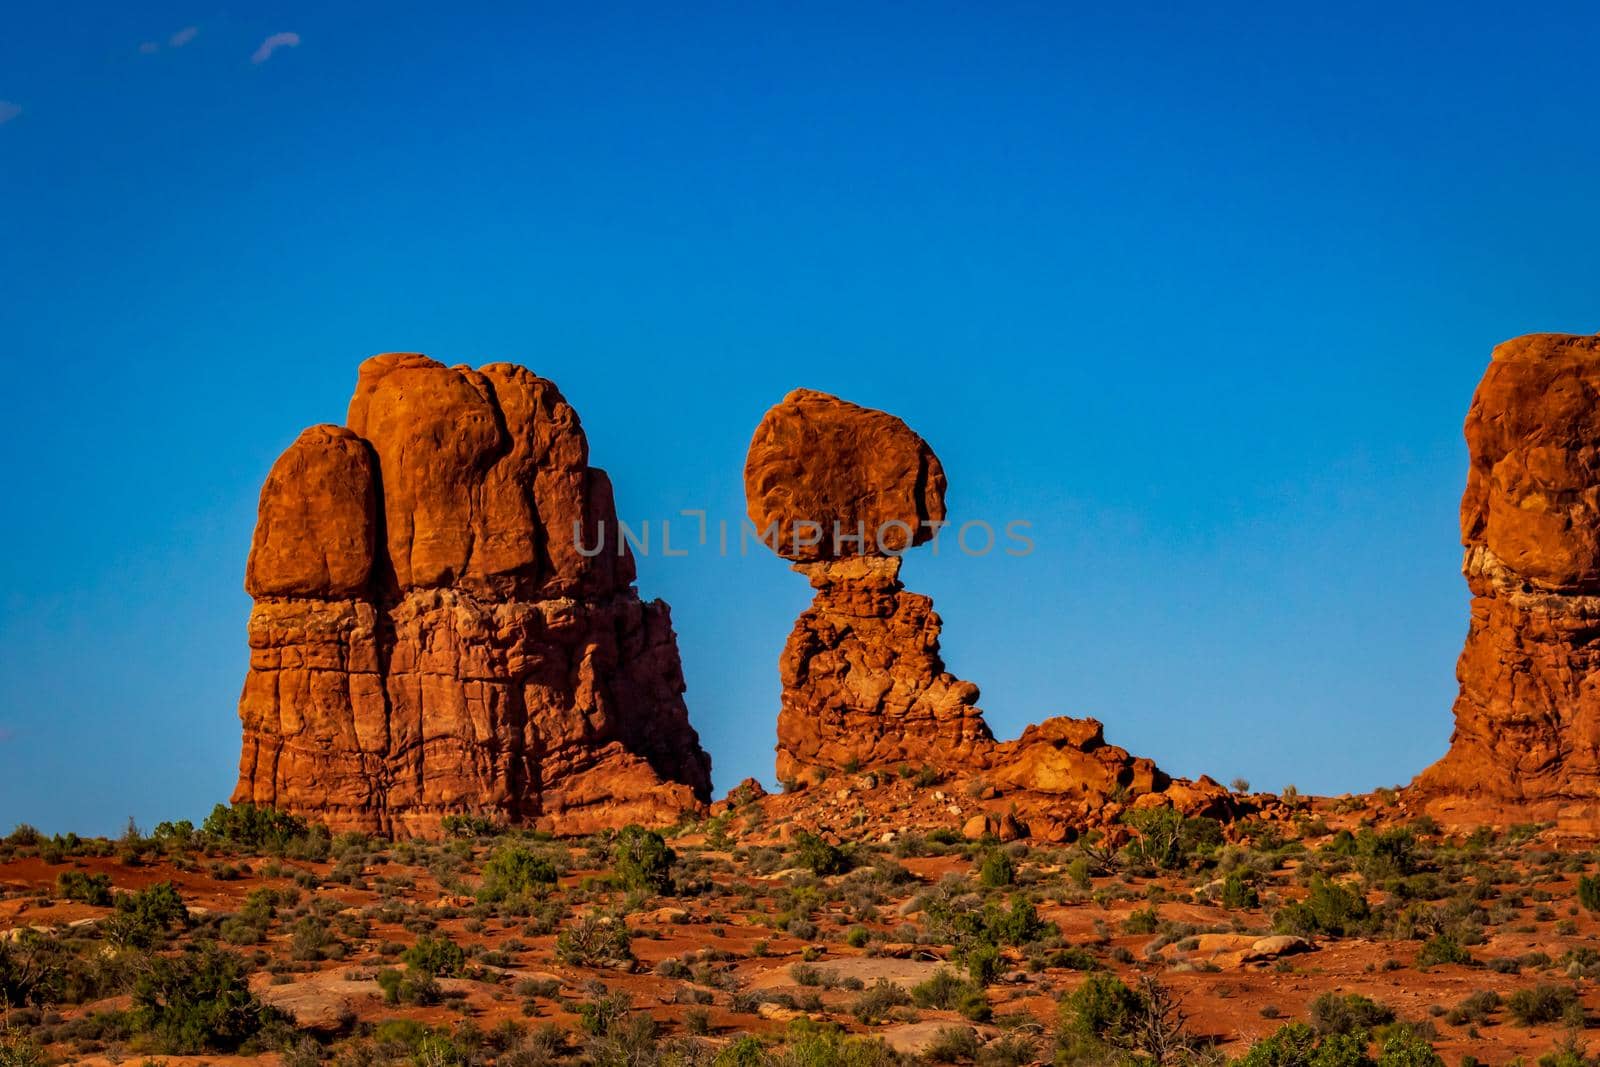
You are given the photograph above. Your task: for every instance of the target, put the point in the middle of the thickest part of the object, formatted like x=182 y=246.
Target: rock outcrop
x=863 y=683
x=428 y=638
x=843 y=492
x=1526 y=744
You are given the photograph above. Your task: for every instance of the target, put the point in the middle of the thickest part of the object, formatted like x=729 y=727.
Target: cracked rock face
x=863 y=683
x=427 y=640
x=1527 y=733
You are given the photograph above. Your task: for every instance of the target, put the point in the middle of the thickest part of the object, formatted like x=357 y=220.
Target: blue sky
x=1200 y=291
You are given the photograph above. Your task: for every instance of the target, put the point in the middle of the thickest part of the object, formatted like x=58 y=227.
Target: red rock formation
x=863 y=683
x=427 y=639
x=831 y=479
x=1527 y=735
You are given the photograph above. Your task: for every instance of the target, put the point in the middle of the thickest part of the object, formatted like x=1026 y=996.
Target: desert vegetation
x=1326 y=933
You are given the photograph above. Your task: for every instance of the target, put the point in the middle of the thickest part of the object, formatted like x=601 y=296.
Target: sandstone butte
x=1526 y=745
x=864 y=686
x=426 y=638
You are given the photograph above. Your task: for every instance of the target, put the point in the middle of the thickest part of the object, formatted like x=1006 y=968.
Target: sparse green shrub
x=874 y=1003
x=514 y=871
x=954 y=1044
x=196 y=1002
x=1382 y=854
x=1101 y=1014
x=598 y=1015
x=1546 y=1002
x=407 y=988
x=1442 y=948
x=1165 y=839
x=177 y=836
x=84 y=888
x=1142 y=921
x=435 y=957
x=1589 y=892
x=1353 y=1013
x=1474 y=1008
x=997 y=870
x=982 y=962
x=1008 y=1050
x=816 y=1046
x=1238 y=894
x=143 y=918
x=640 y=859
x=1569 y=1052
x=248 y=828
x=469 y=826
x=948 y=992
x=1403 y=1046
x=20 y=1050
x=817 y=855
x=1298 y=1045
x=746 y=1050
x=33 y=969
x=974 y=928
x=1327 y=909
x=594 y=940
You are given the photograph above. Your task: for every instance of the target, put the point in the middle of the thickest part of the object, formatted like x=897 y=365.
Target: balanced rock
x=1526 y=744
x=442 y=627
x=848 y=490
x=827 y=479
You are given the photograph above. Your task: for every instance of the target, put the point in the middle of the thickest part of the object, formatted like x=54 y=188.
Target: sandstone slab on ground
x=866 y=969
x=915 y=1039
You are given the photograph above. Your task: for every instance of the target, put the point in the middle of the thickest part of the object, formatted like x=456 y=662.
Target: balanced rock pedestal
x=863 y=684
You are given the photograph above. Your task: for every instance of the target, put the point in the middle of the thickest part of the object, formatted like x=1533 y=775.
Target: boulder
x=915 y=1039
x=319 y=1003
x=830 y=479
x=867 y=969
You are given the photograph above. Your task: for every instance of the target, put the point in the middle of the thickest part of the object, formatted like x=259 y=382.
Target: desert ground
x=851 y=922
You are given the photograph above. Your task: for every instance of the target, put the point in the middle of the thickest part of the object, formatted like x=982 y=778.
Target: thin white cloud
x=272 y=44
x=8 y=111
x=183 y=36
x=149 y=48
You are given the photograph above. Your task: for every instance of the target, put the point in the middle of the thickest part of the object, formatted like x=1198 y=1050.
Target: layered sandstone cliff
x=1527 y=720
x=427 y=639
x=843 y=492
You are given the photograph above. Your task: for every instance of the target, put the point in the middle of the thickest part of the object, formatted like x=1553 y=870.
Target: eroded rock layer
x=1527 y=719
x=427 y=638
x=863 y=683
